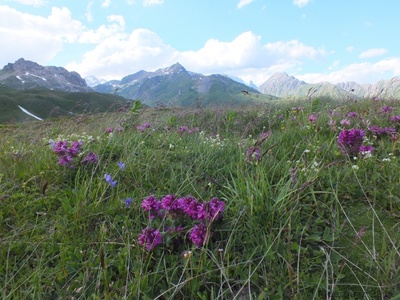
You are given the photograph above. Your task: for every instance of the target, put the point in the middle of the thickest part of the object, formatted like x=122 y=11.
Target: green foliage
x=302 y=220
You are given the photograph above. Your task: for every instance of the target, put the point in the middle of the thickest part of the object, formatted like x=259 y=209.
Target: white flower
x=354 y=167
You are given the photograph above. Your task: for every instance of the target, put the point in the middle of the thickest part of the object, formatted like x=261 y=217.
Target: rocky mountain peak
x=25 y=74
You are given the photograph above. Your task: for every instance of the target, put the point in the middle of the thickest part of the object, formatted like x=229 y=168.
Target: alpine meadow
x=294 y=199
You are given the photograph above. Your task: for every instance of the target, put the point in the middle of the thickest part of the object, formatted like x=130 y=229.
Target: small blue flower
x=121 y=165
x=128 y=202
x=108 y=178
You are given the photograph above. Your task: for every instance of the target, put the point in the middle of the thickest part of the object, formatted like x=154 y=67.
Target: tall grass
x=302 y=219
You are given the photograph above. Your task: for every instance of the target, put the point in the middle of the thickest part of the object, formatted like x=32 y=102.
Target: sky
x=312 y=40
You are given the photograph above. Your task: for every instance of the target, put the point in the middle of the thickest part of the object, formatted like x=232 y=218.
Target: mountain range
x=173 y=86
x=285 y=86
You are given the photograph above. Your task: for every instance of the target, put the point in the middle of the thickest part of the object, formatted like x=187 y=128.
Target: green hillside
x=46 y=103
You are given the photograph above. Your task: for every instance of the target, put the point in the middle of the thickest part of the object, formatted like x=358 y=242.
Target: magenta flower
x=352 y=114
x=169 y=203
x=253 y=154
x=395 y=119
x=191 y=207
x=152 y=205
x=90 y=158
x=387 y=109
x=350 y=140
x=215 y=208
x=312 y=118
x=365 y=150
x=198 y=234
x=345 y=122
x=379 y=131
x=150 y=238
x=109 y=130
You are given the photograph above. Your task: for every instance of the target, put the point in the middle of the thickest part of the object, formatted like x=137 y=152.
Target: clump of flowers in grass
x=143 y=127
x=71 y=153
x=182 y=213
x=183 y=129
x=381 y=131
x=350 y=141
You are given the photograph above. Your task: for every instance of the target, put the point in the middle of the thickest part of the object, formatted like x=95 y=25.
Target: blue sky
x=313 y=40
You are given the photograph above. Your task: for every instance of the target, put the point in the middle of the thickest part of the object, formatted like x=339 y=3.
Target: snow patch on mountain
x=29 y=113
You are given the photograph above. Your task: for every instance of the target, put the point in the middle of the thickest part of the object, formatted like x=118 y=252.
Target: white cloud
x=106 y=3
x=301 y=3
x=349 y=48
x=88 y=13
x=41 y=37
x=373 y=52
x=118 y=54
x=243 y=3
x=32 y=2
x=365 y=72
x=152 y=2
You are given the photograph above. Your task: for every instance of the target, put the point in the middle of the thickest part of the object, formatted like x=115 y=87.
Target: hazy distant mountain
x=24 y=74
x=280 y=85
x=176 y=86
x=385 y=89
x=285 y=86
x=92 y=81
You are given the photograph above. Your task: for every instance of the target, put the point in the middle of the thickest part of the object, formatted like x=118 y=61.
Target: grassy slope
x=301 y=223
x=47 y=103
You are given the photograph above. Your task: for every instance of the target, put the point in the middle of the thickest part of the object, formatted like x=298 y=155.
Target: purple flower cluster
x=183 y=129
x=150 y=238
x=395 y=119
x=387 y=109
x=253 y=154
x=351 y=140
x=143 y=127
x=184 y=209
x=312 y=118
x=68 y=152
x=379 y=131
x=352 y=114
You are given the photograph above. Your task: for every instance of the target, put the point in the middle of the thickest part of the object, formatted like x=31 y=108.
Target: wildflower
x=127 y=202
x=355 y=167
x=90 y=158
x=395 y=119
x=52 y=144
x=312 y=118
x=198 y=234
x=109 y=130
x=121 y=165
x=253 y=153
x=66 y=161
x=152 y=205
x=387 y=109
x=366 y=151
x=108 y=178
x=215 y=208
x=379 y=131
x=350 y=140
x=187 y=254
x=150 y=238
x=352 y=114
x=169 y=203
x=183 y=129
x=345 y=122
x=191 y=207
